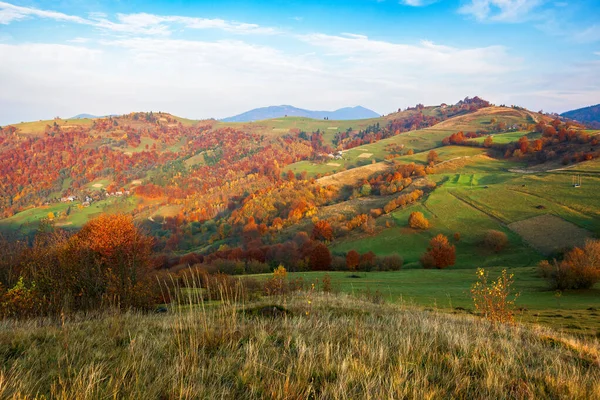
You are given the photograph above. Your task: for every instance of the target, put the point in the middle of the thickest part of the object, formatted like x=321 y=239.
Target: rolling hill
x=259 y=114
x=215 y=190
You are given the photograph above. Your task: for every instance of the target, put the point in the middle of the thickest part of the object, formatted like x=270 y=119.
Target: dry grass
x=324 y=347
x=549 y=233
x=354 y=175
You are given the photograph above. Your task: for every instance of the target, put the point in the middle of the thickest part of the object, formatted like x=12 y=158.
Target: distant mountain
x=588 y=115
x=281 y=111
x=90 y=116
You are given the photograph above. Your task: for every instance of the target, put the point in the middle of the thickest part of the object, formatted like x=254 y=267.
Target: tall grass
x=306 y=345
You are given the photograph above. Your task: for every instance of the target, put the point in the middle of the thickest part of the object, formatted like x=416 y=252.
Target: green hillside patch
x=505 y=138
x=447 y=216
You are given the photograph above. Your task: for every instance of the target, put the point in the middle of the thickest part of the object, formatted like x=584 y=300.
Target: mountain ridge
x=345 y=113
x=589 y=115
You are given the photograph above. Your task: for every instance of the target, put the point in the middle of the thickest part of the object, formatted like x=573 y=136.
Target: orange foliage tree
x=417 y=220
x=440 y=253
x=322 y=231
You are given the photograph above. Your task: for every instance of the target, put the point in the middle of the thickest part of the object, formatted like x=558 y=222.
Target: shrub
x=427 y=261
x=495 y=240
x=326 y=283
x=277 y=285
x=418 y=221
x=440 y=253
x=392 y=262
x=580 y=268
x=338 y=263
x=496 y=299
x=257 y=267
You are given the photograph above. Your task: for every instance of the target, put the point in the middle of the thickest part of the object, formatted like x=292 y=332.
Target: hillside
x=329 y=347
x=589 y=115
x=269 y=192
x=259 y=114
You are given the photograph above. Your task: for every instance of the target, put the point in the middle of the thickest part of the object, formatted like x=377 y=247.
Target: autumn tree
x=352 y=260
x=322 y=231
x=123 y=252
x=432 y=157
x=440 y=253
x=488 y=141
x=417 y=220
x=320 y=258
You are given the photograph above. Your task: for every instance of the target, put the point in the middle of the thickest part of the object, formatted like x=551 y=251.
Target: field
x=418 y=141
x=303 y=346
x=504 y=138
x=67 y=215
x=550 y=234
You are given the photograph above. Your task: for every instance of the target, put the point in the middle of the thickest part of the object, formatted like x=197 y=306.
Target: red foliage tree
x=440 y=253
x=352 y=260
x=320 y=258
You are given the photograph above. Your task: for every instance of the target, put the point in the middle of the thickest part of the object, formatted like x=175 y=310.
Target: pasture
x=449 y=290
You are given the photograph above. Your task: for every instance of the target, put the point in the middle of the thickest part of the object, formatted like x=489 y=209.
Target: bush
x=580 y=268
x=495 y=240
x=257 y=267
x=338 y=263
x=418 y=221
x=440 y=253
x=495 y=300
x=427 y=261
x=277 y=285
x=392 y=262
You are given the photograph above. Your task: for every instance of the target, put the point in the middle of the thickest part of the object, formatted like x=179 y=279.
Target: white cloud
x=140 y=23
x=359 y=50
x=10 y=12
x=500 y=10
x=144 y=21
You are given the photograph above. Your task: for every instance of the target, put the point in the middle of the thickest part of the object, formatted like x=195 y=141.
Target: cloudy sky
x=203 y=59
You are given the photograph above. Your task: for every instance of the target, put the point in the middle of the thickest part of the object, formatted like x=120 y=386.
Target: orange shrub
x=580 y=269
x=495 y=240
x=418 y=221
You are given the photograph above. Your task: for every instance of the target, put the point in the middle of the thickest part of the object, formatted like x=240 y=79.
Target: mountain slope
x=589 y=115
x=262 y=113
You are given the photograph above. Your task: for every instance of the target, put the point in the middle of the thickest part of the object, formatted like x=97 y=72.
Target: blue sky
x=201 y=59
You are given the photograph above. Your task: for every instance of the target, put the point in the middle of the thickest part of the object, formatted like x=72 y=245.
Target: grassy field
x=281 y=126
x=504 y=138
x=311 y=346
x=27 y=221
x=418 y=141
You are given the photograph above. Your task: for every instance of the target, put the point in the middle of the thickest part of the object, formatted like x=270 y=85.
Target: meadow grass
x=315 y=346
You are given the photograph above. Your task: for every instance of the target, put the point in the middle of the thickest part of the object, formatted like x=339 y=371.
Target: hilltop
x=258 y=114
x=589 y=115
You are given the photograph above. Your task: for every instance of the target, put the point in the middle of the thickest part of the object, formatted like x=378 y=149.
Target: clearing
x=549 y=233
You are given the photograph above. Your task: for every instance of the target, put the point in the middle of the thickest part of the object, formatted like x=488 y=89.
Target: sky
x=214 y=59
